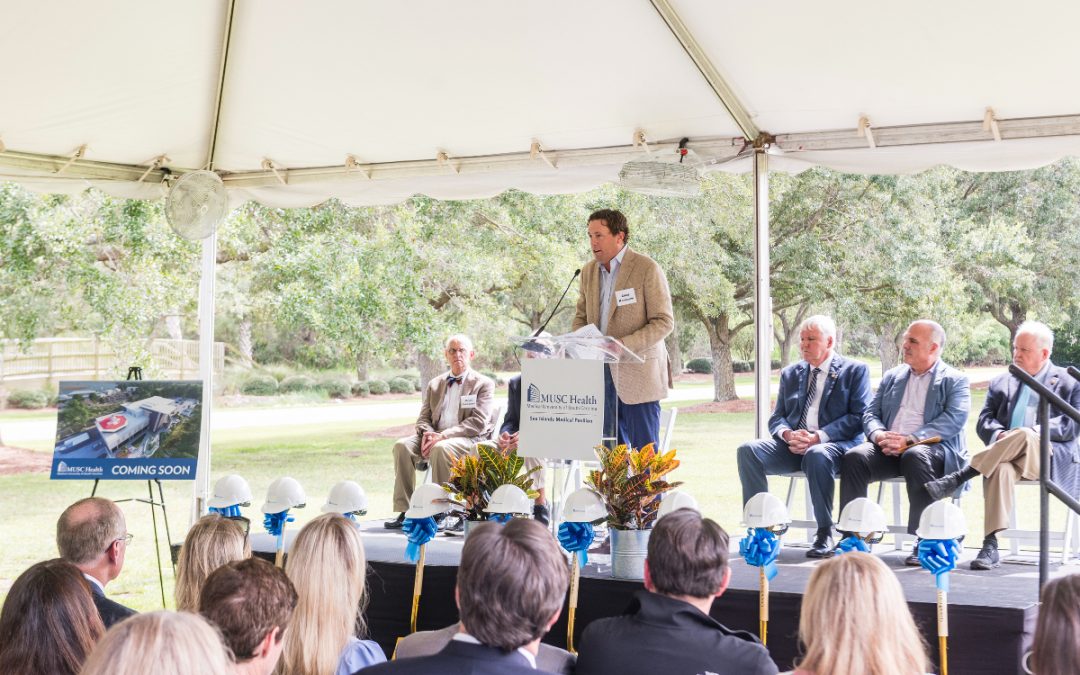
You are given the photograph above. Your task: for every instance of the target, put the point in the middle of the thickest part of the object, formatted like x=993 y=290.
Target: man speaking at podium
x=625 y=294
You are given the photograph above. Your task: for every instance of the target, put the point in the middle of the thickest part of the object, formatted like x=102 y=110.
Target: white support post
x=762 y=297
x=206 y=372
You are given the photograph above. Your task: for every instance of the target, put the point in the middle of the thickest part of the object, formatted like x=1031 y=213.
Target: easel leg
x=157 y=542
x=165 y=517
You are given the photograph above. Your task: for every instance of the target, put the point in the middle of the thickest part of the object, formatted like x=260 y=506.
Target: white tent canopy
x=306 y=86
x=372 y=101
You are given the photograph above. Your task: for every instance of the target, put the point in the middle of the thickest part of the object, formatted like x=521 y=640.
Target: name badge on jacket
x=626 y=296
x=468 y=401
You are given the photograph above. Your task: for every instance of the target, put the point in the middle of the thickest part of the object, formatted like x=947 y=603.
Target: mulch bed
x=19 y=460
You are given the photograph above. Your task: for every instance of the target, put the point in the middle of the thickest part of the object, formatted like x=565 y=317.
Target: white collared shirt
x=451 y=403
x=912 y=413
x=94 y=581
x=815 y=404
x=465 y=637
x=607 y=287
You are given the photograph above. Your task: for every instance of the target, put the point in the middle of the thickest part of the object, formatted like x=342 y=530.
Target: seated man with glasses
x=456 y=413
x=92 y=535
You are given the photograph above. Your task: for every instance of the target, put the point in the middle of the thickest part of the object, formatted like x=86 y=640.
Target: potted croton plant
x=473 y=477
x=631 y=482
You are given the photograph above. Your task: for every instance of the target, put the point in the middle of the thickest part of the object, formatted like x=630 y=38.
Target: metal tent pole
x=206 y=371
x=762 y=299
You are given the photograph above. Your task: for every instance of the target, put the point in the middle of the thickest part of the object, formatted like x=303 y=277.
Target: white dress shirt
x=607 y=287
x=465 y=637
x=911 y=416
x=451 y=404
x=815 y=405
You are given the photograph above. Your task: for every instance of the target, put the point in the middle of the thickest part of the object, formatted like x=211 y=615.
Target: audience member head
x=211 y=542
x=1056 y=650
x=922 y=344
x=817 y=335
x=250 y=602
x=511 y=583
x=688 y=558
x=92 y=535
x=163 y=643
x=49 y=623
x=855 y=620
x=1032 y=346
x=327 y=566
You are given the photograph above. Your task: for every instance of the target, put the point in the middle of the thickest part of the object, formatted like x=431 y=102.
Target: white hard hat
x=231 y=490
x=942 y=520
x=765 y=510
x=584 y=506
x=509 y=499
x=863 y=517
x=283 y=494
x=345 y=497
x=675 y=500
x=427 y=500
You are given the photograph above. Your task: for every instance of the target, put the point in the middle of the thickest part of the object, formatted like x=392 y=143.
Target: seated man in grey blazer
x=92 y=535
x=428 y=642
x=510 y=590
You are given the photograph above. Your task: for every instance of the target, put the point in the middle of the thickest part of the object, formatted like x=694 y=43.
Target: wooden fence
x=53 y=359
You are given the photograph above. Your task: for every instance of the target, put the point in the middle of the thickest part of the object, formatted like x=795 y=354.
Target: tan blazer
x=641 y=325
x=475 y=422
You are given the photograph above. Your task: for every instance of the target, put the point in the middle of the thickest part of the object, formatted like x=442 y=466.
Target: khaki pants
x=1013 y=456
x=407 y=456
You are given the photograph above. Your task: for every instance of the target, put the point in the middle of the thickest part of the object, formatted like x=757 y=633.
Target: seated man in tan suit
x=456 y=413
x=1009 y=427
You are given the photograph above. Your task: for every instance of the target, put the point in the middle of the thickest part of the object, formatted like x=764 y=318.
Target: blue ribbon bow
x=500 y=518
x=760 y=548
x=577 y=538
x=275 y=525
x=228 y=511
x=852 y=543
x=938 y=556
x=419 y=531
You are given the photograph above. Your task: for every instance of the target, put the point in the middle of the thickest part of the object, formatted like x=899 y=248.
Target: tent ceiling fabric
x=394 y=84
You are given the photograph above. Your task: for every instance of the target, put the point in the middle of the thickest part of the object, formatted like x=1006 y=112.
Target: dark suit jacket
x=665 y=636
x=512 y=419
x=948 y=401
x=460 y=658
x=997 y=414
x=428 y=642
x=111 y=612
x=843 y=400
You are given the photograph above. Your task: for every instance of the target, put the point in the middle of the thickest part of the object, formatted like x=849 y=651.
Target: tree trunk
x=722 y=369
x=429 y=368
x=790 y=327
x=362 y=368
x=243 y=342
x=887 y=348
x=173 y=327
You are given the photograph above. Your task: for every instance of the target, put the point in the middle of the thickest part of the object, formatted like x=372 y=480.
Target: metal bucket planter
x=628 y=550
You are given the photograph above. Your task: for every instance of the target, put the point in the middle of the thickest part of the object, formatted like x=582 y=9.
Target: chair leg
x=1014 y=542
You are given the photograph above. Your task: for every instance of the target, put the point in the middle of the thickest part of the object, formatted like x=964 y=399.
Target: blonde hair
x=211 y=542
x=164 y=643
x=327 y=566
x=855 y=620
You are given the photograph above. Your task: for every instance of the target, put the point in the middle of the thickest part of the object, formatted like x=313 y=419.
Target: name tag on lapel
x=468 y=401
x=626 y=296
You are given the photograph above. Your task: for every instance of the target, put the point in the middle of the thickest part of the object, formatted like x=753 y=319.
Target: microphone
x=561 y=298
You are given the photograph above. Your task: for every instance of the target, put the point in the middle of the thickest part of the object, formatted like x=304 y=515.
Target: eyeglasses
x=126 y=538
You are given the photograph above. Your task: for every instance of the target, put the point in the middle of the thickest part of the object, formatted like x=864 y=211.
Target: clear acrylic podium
x=569 y=461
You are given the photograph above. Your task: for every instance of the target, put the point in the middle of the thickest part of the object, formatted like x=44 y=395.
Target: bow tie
x=451 y=380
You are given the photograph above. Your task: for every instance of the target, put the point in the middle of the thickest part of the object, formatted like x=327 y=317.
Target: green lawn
x=320 y=456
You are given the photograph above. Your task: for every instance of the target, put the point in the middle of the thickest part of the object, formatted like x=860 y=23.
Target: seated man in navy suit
x=818 y=416
x=92 y=535
x=921 y=399
x=510 y=591
x=1009 y=427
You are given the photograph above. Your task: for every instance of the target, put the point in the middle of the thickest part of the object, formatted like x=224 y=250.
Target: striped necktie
x=811 y=389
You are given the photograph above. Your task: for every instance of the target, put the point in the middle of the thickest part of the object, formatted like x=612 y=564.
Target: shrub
x=335 y=387
x=377 y=387
x=360 y=389
x=296 y=383
x=416 y=383
x=259 y=385
x=700 y=366
x=401 y=385
x=742 y=367
x=30 y=400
